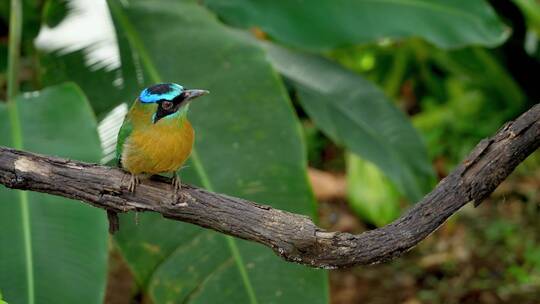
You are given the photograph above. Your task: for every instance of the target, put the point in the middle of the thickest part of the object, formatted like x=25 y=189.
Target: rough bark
x=294 y=237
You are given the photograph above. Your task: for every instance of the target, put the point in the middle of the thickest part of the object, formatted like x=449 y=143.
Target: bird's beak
x=194 y=93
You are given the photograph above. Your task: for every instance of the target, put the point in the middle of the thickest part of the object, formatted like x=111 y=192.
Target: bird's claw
x=178 y=194
x=178 y=197
x=133 y=182
x=177 y=185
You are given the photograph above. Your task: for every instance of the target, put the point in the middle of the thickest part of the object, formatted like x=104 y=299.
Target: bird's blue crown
x=166 y=91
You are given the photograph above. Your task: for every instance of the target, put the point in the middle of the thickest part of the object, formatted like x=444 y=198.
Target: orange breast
x=160 y=148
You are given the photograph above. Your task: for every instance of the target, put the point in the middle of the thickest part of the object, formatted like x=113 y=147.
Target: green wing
x=123 y=134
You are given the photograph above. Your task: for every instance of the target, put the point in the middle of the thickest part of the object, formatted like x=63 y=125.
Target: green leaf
x=247 y=144
x=31 y=20
x=2 y=301
x=472 y=64
x=97 y=83
x=53 y=250
x=54 y=11
x=5 y=11
x=92 y=63
x=354 y=112
x=370 y=194
x=326 y=24
x=531 y=10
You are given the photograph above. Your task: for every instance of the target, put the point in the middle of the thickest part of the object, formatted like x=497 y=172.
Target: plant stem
x=395 y=78
x=15 y=29
x=15 y=32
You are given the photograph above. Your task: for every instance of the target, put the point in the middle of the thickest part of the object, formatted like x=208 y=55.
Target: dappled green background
x=383 y=98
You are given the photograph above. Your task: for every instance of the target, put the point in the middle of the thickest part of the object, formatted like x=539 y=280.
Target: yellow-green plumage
x=156 y=136
x=155 y=148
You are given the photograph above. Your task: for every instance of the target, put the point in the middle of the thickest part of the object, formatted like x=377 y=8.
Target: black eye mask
x=168 y=107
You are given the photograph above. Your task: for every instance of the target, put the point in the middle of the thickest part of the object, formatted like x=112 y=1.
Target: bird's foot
x=133 y=182
x=180 y=199
x=178 y=194
x=177 y=185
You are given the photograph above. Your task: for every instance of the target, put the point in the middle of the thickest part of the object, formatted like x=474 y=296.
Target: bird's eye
x=167 y=105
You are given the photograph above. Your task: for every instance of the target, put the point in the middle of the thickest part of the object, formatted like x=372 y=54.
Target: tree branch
x=293 y=237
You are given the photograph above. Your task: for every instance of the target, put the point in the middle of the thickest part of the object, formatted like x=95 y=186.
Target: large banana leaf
x=52 y=250
x=248 y=144
x=90 y=60
x=354 y=112
x=326 y=24
x=97 y=83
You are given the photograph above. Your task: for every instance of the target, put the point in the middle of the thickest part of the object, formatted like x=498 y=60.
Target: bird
x=156 y=136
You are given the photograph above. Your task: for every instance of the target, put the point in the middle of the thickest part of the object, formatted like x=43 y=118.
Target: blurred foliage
x=484 y=255
x=446 y=91
x=355 y=113
x=336 y=23
x=54 y=11
x=46 y=241
x=531 y=10
x=97 y=83
x=370 y=194
x=239 y=129
x=356 y=69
